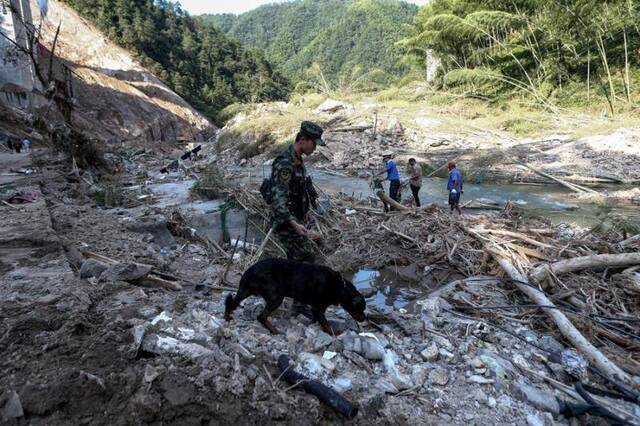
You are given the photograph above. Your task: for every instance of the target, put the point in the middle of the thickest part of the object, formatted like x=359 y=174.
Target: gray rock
x=155 y=225
x=480 y=396
x=543 y=401
x=419 y=374
x=320 y=341
x=92 y=268
x=372 y=349
x=444 y=343
x=368 y=292
x=548 y=343
x=12 y=408
x=439 y=376
x=502 y=369
x=351 y=342
x=534 y=420
x=385 y=386
x=430 y=353
x=125 y=272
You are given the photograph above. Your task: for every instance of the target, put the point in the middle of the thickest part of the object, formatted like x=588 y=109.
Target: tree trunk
x=568 y=330
x=586 y=262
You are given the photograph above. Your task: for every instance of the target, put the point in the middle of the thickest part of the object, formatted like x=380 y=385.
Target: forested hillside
x=570 y=50
x=198 y=61
x=332 y=43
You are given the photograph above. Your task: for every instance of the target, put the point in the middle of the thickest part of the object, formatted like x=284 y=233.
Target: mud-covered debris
x=92 y=268
x=130 y=272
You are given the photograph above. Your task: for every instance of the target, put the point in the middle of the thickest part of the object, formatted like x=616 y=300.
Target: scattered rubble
x=153 y=355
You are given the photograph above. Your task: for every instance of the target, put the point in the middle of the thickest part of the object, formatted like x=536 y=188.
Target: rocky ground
x=84 y=341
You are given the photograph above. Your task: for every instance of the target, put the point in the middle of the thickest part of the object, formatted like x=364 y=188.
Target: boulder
x=92 y=268
x=12 y=407
x=155 y=225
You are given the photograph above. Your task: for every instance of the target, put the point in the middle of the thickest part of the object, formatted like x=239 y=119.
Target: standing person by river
x=393 y=176
x=414 y=170
x=454 y=186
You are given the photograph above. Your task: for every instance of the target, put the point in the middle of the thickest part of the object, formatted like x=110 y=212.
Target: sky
x=197 y=7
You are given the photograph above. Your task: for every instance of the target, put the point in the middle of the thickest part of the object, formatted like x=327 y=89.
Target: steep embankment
x=116 y=98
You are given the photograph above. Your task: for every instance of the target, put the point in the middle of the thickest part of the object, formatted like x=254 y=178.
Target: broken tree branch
x=572 y=186
x=585 y=262
x=393 y=203
x=565 y=326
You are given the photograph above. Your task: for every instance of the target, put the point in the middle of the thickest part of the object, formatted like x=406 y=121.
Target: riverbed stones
x=439 y=376
x=430 y=353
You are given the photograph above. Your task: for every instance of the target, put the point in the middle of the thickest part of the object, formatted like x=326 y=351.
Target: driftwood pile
x=588 y=286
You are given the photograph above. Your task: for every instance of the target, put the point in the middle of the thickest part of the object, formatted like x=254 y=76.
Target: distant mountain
x=341 y=36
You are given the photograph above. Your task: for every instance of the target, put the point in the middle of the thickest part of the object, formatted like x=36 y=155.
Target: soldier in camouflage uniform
x=290 y=195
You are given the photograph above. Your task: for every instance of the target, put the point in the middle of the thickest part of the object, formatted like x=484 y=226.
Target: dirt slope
x=115 y=97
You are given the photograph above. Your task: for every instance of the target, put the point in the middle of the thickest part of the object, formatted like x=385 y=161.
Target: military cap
x=312 y=130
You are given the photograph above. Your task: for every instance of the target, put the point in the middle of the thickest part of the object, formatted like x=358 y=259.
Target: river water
x=551 y=201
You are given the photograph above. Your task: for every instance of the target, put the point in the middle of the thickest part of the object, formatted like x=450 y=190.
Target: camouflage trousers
x=298 y=247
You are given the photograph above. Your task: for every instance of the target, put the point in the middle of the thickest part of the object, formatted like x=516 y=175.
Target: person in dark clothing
x=290 y=198
x=415 y=179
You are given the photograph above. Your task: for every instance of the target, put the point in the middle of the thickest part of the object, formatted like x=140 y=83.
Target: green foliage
x=352 y=43
x=196 y=60
x=533 y=46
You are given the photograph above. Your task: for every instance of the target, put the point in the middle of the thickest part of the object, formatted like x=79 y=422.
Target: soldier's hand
x=300 y=230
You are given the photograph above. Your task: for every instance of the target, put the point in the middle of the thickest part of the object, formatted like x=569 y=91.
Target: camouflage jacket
x=289 y=197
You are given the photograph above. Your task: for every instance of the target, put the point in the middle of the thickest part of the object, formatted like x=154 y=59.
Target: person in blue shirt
x=454 y=186
x=393 y=176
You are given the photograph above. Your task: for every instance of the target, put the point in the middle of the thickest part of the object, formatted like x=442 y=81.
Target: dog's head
x=352 y=301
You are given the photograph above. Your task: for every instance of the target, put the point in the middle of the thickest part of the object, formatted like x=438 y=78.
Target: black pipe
x=324 y=393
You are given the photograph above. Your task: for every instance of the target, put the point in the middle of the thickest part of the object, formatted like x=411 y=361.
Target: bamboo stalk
x=626 y=66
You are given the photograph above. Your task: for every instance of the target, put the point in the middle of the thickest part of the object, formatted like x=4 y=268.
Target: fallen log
x=585 y=262
x=390 y=201
x=169 y=285
x=568 y=330
x=514 y=235
x=443 y=166
x=351 y=129
x=572 y=186
x=629 y=241
x=324 y=393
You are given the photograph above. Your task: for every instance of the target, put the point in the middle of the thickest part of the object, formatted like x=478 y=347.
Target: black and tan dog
x=315 y=285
